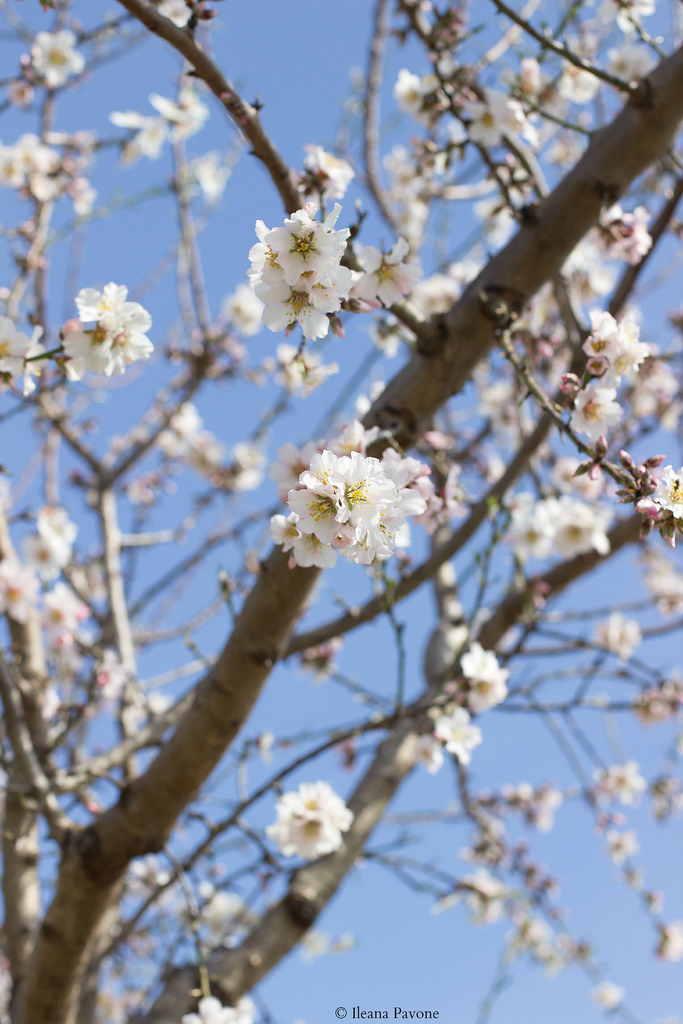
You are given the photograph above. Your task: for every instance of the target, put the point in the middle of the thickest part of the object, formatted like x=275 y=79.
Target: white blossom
x=310 y=821
x=54 y=57
x=211 y=1011
x=595 y=411
x=485 y=678
x=331 y=175
x=608 y=995
x=457 y=735
x=622 y=782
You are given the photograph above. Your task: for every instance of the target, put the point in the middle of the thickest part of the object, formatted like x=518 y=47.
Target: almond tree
x=519 y=441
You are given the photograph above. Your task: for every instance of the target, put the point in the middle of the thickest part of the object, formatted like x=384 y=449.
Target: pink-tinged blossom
x=55 y=58
x=310 y=821
x=625 y=235
x=386 y=276
x=18 y=590
x=352 y=503
x=668 y=494
x=110 y=676
x=63 y=612
x=622 y=782
x=456 y=733
x=485 y=678
x=596 y=411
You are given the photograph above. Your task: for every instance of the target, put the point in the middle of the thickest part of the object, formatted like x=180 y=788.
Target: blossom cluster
x=310 y=821
x=563 y=525
x=352 y=504
x=37 y=168
x=296 y=270
x=117 y=339
x=614 y=351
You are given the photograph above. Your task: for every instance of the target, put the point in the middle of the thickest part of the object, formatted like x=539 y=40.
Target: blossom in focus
x=55 y=58
x=310 y=821
x=356 y=504
x=669 y=491
x=296 y=271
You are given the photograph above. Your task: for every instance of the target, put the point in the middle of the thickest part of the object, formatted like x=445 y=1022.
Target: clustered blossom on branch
x=310 y=821
x=117 y=339
x=296 y=271
x=352 y=504
x=614 y=352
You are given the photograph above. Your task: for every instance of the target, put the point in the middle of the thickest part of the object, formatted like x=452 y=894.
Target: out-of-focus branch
x=244 y=116
x=372 y=114
x=548 y=43
x=21 y=699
